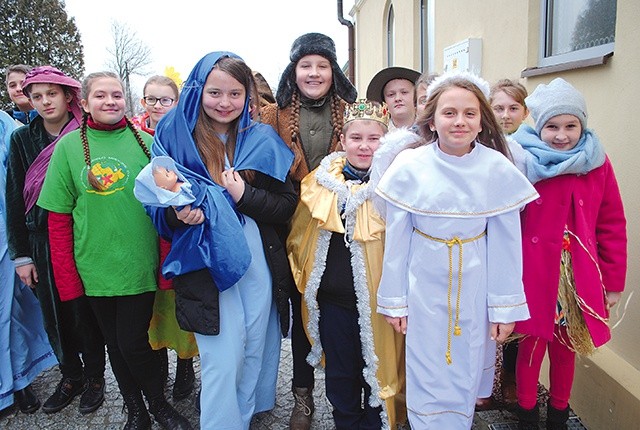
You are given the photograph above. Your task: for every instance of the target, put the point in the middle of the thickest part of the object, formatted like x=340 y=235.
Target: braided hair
x=337 y=119
x=91 y=177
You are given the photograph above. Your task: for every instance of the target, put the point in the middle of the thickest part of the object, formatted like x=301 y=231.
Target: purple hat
x=51 y=75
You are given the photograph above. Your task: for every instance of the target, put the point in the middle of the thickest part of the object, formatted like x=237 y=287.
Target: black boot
x=167 y=416
x=185 y=377
x=93 y=396
x=27 y=400
x=528 y=419
x=556 y=418
x=163 y=359
x=66 y=390
x=137 y=416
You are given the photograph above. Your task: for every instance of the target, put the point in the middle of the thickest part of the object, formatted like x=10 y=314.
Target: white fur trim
x=472 y=77
x=391 y=145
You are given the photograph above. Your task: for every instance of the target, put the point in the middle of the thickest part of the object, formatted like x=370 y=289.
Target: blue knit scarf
x=544 y=162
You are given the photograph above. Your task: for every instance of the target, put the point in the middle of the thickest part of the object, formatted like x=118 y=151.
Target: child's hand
x=399 y=324
x=190 y=216
x=234 y=183
x=28 y=274
x=612 y=298
x=500 y=331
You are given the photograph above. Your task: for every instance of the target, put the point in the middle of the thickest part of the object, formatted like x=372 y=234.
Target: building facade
x=594 y=44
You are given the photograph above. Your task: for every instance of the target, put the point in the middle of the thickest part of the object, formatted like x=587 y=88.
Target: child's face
x=14 y=88
x=105 y=102
x=509 y=113
x=314 y=76
x=421 y=95
x=457 y=120
x=562 y=132
x=157 y=110
x=398 y=95
x=223 y=99
x=360 y=140
x=50 y=101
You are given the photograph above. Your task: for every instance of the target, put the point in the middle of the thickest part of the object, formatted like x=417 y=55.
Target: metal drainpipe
x=352 y=44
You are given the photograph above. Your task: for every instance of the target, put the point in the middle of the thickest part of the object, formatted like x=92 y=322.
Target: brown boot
x=302 y=410
x=508 y=385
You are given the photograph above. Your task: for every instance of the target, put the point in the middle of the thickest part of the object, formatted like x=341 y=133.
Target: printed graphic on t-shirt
x=111 y=172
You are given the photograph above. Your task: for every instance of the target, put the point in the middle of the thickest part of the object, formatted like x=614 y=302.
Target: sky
x=179 y=33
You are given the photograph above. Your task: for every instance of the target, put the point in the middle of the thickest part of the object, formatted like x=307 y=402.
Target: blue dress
x=27 y=352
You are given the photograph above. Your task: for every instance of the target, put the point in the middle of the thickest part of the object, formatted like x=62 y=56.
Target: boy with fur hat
x=71 y=327
x=308 y=116
x=396 y=87
x=336 y=227
x=574 y=248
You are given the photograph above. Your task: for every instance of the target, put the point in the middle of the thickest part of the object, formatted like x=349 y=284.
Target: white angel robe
x=473 y=202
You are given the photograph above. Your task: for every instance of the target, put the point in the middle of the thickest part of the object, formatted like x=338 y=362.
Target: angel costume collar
x=482 y=183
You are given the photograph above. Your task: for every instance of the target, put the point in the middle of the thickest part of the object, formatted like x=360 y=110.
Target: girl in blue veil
x=227 y=259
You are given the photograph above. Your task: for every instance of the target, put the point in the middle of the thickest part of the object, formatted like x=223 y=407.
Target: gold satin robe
x=318 y=210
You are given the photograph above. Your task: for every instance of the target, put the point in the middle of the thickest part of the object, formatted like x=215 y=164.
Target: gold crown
x=365 y=109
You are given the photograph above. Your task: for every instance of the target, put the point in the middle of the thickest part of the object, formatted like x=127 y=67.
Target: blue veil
x=218 y=244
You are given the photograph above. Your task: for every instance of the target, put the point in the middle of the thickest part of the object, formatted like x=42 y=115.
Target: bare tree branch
x=128 y=56
x=128 y=52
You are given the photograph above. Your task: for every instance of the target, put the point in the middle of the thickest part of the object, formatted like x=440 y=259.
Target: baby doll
x=166 y=179
x=161 y=184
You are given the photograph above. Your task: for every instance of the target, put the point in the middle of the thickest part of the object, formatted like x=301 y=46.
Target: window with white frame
x=575 y=30
x=391 y=53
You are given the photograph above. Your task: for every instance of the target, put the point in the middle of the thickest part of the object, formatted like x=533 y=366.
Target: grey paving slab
x=110 y=416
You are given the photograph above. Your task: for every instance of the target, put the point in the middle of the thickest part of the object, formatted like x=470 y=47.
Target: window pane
x=579 y=24
x=391 y=38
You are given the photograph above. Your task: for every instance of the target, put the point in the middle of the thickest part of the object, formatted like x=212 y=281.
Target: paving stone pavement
x=110 y=416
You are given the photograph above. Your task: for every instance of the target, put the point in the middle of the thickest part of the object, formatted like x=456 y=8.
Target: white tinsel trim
x=457 y=74
x=310 y=296
x=391 y=144
x=366 y=332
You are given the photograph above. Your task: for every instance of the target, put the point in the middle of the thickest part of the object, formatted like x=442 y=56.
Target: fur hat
x=558 y=97
x=314 y=44
x=376 y=86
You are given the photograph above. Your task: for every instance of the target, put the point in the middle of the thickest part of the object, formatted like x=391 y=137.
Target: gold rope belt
x=450 y=243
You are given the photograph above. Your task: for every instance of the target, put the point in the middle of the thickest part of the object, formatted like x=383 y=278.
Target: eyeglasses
x=164 y=101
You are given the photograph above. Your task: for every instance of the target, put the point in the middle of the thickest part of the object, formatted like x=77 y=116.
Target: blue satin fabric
x=218 y=244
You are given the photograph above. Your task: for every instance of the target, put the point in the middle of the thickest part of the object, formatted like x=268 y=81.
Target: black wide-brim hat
x=376 y=86
x=314 y=44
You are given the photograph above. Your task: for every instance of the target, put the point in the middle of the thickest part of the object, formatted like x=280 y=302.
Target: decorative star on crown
x=365 y=109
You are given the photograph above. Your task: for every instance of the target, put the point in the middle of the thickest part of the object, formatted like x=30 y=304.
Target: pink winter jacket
x=591 y=206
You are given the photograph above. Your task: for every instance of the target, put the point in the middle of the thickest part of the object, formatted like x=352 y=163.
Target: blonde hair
x=513 y=89
x=164 y=81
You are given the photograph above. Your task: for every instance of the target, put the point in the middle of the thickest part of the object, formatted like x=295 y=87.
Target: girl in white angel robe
x=452 y=266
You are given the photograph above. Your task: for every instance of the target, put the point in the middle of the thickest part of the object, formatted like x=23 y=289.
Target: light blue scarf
x=543 y=162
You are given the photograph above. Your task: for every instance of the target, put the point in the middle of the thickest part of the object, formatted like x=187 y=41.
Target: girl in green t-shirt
x=111 y=255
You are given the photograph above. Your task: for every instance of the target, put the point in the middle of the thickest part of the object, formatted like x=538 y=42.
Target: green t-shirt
x=115 y=244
